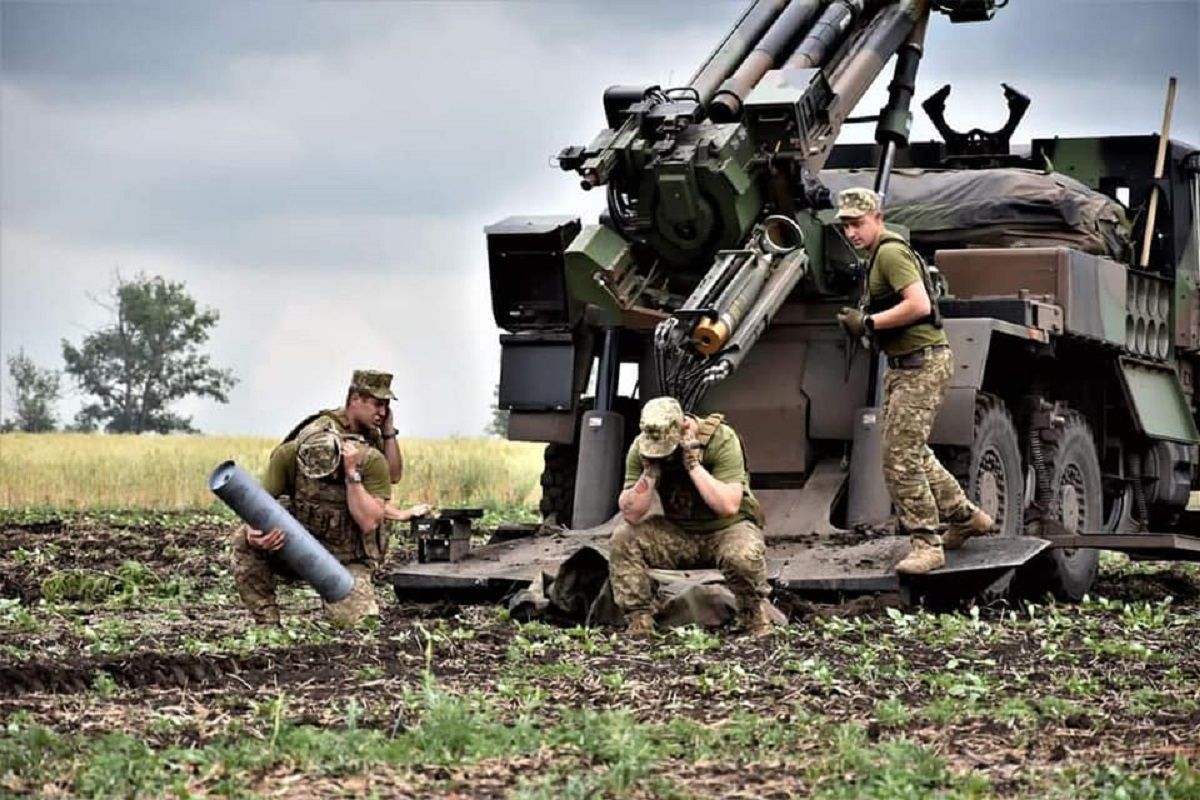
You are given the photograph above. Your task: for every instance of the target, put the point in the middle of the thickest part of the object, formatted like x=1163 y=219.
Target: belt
x=916 y=358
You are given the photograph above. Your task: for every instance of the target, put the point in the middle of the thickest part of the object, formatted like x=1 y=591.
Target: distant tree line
x=132 y=371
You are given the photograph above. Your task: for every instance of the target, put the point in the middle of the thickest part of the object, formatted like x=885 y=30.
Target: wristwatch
x=354 y=477
x=869 y=323
x=391 y=435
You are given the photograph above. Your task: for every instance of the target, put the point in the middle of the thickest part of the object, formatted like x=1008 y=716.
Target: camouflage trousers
x=922 y=491
x=256 y=574
x=656 y=543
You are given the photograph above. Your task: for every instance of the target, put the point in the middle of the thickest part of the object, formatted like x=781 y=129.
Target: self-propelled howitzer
x=715 y=274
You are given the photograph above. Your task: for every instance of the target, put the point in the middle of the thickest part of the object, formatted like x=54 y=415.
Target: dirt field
x=127 y=668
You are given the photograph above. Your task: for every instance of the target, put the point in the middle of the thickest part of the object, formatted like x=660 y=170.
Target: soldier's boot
x=358 y=604
x=925 y=556
x=756 y=618
x=639 y=623
x=980 y=523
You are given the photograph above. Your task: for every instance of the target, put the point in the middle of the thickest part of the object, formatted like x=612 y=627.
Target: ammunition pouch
x=329 y=524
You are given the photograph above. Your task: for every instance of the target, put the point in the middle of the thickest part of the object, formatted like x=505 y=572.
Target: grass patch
x=96 y=471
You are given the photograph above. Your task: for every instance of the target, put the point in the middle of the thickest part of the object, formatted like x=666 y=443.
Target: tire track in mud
x=157 y=670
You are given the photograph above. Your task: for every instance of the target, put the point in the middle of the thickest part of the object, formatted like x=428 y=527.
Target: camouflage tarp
x=997 y=208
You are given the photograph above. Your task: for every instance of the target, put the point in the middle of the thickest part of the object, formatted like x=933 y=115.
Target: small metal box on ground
x=446 y=537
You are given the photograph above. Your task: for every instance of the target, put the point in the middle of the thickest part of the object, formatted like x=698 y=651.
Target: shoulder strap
x=304 y=423
x=708 y=426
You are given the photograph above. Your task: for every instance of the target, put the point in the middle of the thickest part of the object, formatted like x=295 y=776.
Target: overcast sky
x=321 y=173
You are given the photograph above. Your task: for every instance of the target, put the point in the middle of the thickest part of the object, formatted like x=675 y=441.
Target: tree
x=498 y=425
x=146 y=360
x=34 y=391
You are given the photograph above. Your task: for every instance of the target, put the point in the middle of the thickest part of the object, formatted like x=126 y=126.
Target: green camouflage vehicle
x=716 y=272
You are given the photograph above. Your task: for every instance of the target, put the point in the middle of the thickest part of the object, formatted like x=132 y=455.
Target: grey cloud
x=302 y=164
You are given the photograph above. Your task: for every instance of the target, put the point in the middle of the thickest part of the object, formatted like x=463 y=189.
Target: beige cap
x=662 y=427
x=856 y=202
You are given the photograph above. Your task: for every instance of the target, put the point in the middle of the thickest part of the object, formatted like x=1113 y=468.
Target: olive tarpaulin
x=996 y=208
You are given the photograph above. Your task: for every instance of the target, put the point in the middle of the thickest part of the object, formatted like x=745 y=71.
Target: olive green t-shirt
x=892 y=269
x=682 y=502
x=280 y=476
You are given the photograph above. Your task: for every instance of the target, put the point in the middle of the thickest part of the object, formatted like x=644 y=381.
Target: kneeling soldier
x=337 y=488
x=710 y=516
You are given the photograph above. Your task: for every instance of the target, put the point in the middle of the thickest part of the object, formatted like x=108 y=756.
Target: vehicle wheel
x=991 y=475
x=991 y=472
x=558 y=484
x=1077 y=501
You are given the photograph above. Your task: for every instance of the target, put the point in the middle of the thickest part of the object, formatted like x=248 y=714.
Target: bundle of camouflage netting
x=997 y=208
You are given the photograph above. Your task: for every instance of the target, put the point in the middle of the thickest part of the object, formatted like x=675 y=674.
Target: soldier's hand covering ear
x=689 y=449
x=853 y=321
x=350 y=455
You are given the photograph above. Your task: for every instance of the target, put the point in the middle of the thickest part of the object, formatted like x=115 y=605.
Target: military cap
x=318 y=452
x=372 y=382
x=855 y=202
x=662 y=427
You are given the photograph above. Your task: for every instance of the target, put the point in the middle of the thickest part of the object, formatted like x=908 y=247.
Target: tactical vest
x=319 y=504
x=876 y=304
x=681 y=499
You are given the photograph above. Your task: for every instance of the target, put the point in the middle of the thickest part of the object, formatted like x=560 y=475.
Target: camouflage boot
x=980 y=523
x=639 y=623
x=360 y=603
x=925 y=556
x=756 y=619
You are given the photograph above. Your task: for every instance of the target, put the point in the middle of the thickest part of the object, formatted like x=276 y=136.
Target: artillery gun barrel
x=864 y=56
x=734 y=48
x=824 y=35
x=871 y=48
x=776 y=44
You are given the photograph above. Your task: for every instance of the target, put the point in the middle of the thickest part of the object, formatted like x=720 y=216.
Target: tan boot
x=639 y=624
x=757 y=620
x=925 y=556
x=980 y=523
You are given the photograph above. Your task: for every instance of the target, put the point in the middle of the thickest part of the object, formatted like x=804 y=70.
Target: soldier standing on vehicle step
x=333 y=471
x=901 y=316
x=710 y=516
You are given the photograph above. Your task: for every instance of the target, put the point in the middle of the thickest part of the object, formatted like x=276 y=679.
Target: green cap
x=856 y=202
x=318 y=452
x=373 y=382
x=662 y=427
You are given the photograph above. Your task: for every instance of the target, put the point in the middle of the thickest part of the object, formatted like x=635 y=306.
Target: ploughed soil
x=1014 y=694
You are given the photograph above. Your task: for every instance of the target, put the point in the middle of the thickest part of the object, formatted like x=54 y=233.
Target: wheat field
x=74 y=470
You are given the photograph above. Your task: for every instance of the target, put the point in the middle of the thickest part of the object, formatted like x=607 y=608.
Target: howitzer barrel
x=863 y=57
x=300 y=552
x=870 y=50
x=775 y=46
x=734 y=48
x=824 y=35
